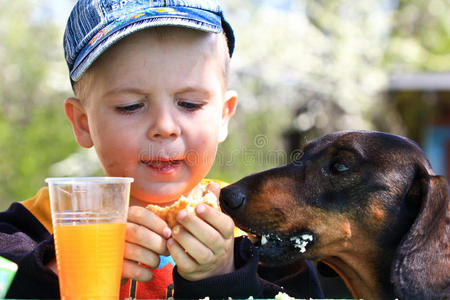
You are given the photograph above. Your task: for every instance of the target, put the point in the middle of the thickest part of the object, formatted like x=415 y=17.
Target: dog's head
x=369 y=185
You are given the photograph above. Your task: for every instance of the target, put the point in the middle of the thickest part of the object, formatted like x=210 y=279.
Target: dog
x=365 y=203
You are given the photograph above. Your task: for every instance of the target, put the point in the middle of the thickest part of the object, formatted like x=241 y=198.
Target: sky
x=57 y=10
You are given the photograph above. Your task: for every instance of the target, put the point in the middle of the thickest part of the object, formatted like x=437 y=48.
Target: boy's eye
x=129 y=108
x=190 y=106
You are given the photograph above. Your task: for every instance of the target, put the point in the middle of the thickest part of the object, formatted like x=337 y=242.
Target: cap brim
x=113 y=32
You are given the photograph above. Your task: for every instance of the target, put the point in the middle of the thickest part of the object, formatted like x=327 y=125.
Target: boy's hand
x=203 y=245
x=146 y=238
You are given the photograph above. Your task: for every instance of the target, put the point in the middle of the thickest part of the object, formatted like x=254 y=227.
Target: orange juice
x=89 y=259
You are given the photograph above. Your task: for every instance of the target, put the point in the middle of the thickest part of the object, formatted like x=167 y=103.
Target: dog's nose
x=232 y=197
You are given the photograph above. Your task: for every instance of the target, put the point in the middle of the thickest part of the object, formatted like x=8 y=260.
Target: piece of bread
x=199 y=195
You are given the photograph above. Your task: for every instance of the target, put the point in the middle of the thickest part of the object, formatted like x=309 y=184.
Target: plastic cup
x=8 y=270
x=89 y=216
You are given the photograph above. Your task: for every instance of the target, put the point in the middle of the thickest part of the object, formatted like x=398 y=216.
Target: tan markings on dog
x=342 y=243
x=334 y=229
x=377 y=216
x=277 y=209
x=351 y=251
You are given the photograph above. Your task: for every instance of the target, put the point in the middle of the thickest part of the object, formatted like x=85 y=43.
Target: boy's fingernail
x=200 y=208
x=182 y=214
x=167 y=232
x=176 y=229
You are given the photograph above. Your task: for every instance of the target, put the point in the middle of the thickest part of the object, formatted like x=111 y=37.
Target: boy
x=150 y=83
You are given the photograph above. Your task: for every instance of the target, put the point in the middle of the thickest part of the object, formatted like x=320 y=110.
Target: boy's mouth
x=162 y=164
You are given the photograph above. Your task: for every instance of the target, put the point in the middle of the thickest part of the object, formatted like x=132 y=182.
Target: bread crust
x=199 y=195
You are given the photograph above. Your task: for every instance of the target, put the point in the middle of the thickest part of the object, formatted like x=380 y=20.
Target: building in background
x=423 y=102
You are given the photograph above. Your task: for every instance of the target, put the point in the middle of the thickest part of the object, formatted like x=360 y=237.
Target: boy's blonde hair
x=82 y=87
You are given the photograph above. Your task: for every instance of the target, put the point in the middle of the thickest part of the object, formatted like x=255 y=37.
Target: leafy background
x=302 y=68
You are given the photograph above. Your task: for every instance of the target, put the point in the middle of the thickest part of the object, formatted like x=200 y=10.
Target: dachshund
x=365 y=203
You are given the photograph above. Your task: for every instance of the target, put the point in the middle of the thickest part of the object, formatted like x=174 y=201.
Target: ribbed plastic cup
x=89 y=216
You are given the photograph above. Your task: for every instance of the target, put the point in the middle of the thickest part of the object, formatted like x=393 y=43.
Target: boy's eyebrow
x=195 y=89
x=124 y=90
x=136 y=90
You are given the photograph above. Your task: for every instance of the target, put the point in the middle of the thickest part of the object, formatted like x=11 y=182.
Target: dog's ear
x=421 y=267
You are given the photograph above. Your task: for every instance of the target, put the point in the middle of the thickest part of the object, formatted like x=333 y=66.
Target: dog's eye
x=340 y=167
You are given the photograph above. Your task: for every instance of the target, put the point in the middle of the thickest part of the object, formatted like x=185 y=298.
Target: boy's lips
x=162 y=165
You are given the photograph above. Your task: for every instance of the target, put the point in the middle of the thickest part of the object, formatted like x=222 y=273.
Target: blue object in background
x=436 y=139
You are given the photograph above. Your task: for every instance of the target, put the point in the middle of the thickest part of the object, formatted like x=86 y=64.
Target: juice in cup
x=89 y=259
x=89 y=218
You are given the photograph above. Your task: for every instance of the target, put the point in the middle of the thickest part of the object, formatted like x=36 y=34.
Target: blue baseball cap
x=94 y=25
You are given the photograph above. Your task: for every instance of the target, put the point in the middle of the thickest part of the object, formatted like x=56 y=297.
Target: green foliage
x=34 y=132
x=28 y=151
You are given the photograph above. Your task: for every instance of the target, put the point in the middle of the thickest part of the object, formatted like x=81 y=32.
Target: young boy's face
x=155 y=109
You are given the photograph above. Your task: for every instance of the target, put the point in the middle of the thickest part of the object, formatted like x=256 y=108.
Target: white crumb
x=283 y=296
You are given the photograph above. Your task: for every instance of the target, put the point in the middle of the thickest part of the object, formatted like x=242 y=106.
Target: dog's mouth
x=277 y=248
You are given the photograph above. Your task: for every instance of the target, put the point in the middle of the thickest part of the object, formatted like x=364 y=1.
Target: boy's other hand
x=146 y=239
x=203 y=245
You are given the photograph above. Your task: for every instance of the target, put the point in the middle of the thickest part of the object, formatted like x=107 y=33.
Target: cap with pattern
x=94 y=25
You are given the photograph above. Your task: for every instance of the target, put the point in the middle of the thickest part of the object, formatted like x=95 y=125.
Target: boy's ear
x=229 y=107
x=77 y=116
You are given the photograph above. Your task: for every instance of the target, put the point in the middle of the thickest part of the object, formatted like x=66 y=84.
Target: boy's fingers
x=134 y=271
x=202 y=231
x=180 y=256
x=220 y=221
x=142 y=255
x=192 y=246
x=144 y=237
x=146 y=218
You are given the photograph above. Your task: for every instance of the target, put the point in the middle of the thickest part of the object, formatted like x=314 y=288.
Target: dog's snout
x=232 y=197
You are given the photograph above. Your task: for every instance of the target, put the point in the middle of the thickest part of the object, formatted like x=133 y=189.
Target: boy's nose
x=163 y=126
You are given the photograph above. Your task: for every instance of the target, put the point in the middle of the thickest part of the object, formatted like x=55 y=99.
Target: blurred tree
x=420 y=39
x=33 y=130
x=302 y=68
x=323 y=65
x=305 y=68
